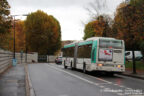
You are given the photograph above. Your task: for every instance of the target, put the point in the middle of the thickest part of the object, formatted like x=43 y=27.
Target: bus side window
x=68 y=52
x=93 y=53
x=84 y=51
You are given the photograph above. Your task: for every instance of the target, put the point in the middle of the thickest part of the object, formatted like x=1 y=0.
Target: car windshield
x=104 y=43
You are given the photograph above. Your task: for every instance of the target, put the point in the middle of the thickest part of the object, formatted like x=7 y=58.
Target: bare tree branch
x=97 y=7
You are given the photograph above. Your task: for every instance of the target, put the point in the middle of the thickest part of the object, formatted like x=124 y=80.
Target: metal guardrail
x=5 y=60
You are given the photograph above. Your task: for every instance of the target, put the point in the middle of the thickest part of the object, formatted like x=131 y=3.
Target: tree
x=117 y=23
x=142 y=47
x=89 y=30
x=129 y=23
x=43 y=33
x=97 y=8
x=5 y=22
x=137 y=3
x=139 y=7
x=19 y=35
x=99 y=28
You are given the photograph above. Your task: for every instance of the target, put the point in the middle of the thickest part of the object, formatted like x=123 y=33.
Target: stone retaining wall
x=5 y=60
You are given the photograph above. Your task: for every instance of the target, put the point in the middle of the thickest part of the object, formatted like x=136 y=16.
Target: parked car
x=138 y=58
x=138 y=55
x=58 y=60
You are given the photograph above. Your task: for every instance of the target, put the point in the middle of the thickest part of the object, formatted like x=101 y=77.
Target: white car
x=138 y=55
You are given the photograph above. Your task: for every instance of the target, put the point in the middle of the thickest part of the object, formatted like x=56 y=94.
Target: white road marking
x=74 y=75
x=101 y=86
x=129 y=88
x=99 y=79
x=96 y=84
x=63 y=95
x=120 y=94
x=104 y=83
x=121 y=86
x=107 y=88
x=116 y=84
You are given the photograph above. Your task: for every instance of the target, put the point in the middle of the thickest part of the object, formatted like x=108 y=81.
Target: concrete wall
x=7 y=56
x=51 y=58
x=21 y=58
x=5 y=60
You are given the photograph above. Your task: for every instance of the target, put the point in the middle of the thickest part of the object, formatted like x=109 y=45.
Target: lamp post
x=14 y=39
x=26 y=52
x=14 y=57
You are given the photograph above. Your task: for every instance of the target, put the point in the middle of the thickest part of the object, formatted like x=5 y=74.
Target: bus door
x=94 y=52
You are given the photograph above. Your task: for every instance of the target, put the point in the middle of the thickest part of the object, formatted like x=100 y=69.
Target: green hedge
x=139 y=65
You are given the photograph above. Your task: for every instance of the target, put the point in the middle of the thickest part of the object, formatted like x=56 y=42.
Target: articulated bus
x=95 y=54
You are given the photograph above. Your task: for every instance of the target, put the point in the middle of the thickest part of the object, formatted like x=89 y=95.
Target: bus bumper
x=114 y=68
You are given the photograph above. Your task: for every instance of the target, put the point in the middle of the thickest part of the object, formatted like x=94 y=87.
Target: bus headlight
x=99 y=64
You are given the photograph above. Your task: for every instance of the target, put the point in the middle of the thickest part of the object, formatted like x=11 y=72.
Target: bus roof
x=97 y=38
x=69 y=45
x=87 y=41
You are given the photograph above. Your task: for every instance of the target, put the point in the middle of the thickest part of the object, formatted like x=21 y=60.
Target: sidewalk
x=130 y=74
x=12 y=82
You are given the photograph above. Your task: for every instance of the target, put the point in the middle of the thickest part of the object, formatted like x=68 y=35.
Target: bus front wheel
x=84 y=68
x=65 y=65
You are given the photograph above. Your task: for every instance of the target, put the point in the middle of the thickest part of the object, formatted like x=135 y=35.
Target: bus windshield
x=104 y=43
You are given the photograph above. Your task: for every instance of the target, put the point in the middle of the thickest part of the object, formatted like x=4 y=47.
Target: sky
x=71 y=14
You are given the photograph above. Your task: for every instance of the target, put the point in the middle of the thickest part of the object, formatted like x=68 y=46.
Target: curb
x=29 y=88
x=134 y=76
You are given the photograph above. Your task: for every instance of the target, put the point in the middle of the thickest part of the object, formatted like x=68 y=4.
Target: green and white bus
x=95 y=54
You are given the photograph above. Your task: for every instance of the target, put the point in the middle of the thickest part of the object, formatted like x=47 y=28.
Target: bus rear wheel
x=72 y=66
x=111 y=74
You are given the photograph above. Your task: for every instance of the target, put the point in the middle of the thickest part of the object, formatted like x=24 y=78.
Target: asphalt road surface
x=54 y=80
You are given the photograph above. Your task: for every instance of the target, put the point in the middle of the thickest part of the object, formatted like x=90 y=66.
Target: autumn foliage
x=129 y=24
x=98 y=28
x=19 y=37
x=39 y=33
x=5 y=23
x=43 y=33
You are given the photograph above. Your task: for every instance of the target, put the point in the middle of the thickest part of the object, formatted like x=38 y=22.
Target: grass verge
x=139 y=65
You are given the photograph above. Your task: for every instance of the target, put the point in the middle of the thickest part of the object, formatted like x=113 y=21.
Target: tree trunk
x=133 y=59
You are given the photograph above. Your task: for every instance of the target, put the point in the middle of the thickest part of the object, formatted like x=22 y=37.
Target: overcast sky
x=70 y=13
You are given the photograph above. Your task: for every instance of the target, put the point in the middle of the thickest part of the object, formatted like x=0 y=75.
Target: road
x=54 y=80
